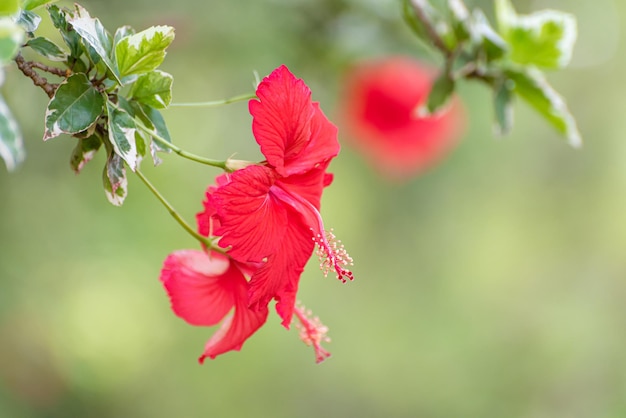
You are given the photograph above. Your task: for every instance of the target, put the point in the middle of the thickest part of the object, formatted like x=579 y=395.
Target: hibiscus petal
x=239 y=326
x=198 y=285
x=279 y=277
x=252 y=221
x=321 y=147
x=207 y=222
x=331 y=251
x=308 y=185
x=281 y=117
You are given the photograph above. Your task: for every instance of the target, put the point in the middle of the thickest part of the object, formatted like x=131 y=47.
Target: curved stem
x=216 y=102
x=193 y=157
x=202 y=239
x=162 y=141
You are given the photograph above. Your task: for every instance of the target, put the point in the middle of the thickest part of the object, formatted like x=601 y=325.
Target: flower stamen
x=331 y=252
x=312 y=331
x=333 y=255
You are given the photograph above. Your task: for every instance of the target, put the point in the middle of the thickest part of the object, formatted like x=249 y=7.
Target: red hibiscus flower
x=378 y=111
x=268 y=218
x=269 y=213
x=203 y=288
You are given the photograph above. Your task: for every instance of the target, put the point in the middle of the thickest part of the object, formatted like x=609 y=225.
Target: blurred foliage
x=492 y=286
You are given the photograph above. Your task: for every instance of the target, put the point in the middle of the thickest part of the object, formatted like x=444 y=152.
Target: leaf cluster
x=510 y=58
x=110 y=94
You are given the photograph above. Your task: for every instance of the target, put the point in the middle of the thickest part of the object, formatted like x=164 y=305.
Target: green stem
x=216 y=102
x=193 y=157
x=158 y=138
x=203 y=240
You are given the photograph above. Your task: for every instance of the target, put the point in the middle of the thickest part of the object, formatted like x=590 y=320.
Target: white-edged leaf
x=29 y=20
x=95 y=35
x=460 y=18
x=122 y=32
x=47 y=48
x=531 y=85
x=75 y=106
x=434 y=18
x=11 y=38
x=70 y=36
x=11 y=142
x=153 y=89
x=545 y=38
x=122 y=129
x=84 y=152
x=143 y=51
x=486 y=37
x=114 y=179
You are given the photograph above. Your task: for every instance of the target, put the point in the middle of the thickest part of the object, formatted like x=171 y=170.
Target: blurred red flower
x=379 y=113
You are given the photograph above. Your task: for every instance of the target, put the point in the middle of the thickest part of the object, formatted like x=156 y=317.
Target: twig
x=52 y=70
x=420 y=13
x=27 y=68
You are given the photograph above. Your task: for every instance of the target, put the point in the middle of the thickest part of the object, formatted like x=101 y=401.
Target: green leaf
x=531 y=86
x=114 y=179
x=33 y=4
x=434 y=19
x=153 y=119
x=503 y=107
x=484 y=36
x=122 y=129
x=70 y=37
x=76 y=105
x=126 y=106
x=460 y=18
x=140 y=140
x=440 y=94
x=47 y=48
x=95 y=35
x=95 y=57
x=84 y=151
x=11 y=143
x=153 y=89
x=11 y=38
x=9 y=7
x=545 y=38
x=29 y=20
x=157 y=121
x=144 y=51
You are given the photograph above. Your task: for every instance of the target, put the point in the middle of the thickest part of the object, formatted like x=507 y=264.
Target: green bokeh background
x=491 y=286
